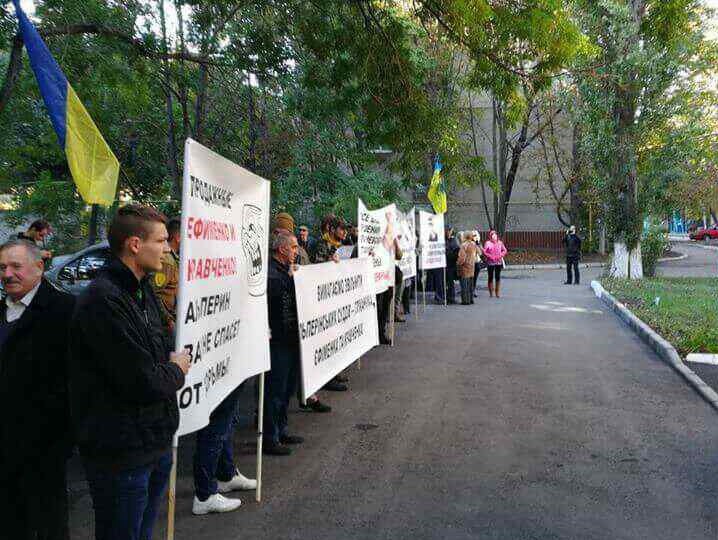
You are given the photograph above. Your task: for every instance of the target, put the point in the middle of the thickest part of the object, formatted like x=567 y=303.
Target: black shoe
x=272 y=449
x=567 y=283
x=383 y=340
x=465 y=303
x=341 y=378
x=335 y=386
x=577 y=283
x=314 y=405
x=291 y=439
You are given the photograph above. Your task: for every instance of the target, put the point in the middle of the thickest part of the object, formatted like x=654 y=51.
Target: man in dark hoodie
x=124 y=379
x=572 y=242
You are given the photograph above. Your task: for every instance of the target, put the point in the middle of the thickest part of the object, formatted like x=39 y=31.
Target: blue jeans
x=214 y=455
x=126 y=501
x=279 y=386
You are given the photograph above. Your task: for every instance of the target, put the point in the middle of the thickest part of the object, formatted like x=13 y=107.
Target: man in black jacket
x=124 y=379
x=281 y=381
x=572 y=242
x=452 y=255
x=35 y=430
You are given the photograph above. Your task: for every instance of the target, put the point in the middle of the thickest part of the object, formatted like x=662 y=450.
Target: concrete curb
x=709 y=248
x=662 y=347
x=669 y=259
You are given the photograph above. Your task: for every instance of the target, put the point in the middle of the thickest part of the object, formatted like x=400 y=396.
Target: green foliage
x=654 y=245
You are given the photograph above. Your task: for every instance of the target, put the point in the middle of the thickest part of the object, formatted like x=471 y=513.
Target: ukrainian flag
x=93 y=165
x=437 y=189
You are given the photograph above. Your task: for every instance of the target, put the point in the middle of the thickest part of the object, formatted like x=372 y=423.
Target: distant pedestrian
x=124 y=380
x=572 y=242
x=452 y=254
x=306 y=242
x=479 y=261
x=465 y=263
x=37 y=233
x=35 y=433
x=494 y=252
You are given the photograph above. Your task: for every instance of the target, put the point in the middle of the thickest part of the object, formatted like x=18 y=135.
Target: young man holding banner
x=213 y=464
x=124 y=380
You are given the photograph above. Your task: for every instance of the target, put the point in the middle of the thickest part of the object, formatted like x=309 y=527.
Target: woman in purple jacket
x=494 y=251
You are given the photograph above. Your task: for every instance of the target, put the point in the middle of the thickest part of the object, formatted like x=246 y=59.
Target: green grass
x=687 y=314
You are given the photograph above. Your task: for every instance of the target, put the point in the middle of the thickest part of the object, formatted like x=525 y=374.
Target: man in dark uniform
x=35 y=430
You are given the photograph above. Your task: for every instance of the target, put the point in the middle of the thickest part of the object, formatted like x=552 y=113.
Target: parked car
x=703 y=233
x=72 y=273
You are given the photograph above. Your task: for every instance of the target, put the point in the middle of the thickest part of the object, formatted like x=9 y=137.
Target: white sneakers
x=239 y=482
x=214 y=504
x=217 y=504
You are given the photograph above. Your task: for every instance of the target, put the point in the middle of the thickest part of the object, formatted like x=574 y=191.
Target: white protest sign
x=432 y=245
x=222 y=300
x=336 y=309
x=406 y=236
x=376 y=241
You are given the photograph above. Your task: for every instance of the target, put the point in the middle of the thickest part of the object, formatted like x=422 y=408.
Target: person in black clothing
x=281 y=382
x=124 y=380
x=35 y=439
x=452 y=255
x=572 y=242
x=37 y=233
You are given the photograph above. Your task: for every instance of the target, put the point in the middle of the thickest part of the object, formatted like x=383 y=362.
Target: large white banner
x=432 y=245
x=336 y=308
x=406 y=236
x=376 y=241
x=222 y=300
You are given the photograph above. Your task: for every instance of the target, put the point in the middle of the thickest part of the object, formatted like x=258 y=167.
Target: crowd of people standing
x=104 y=376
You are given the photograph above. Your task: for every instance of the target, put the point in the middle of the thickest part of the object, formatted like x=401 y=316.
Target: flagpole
x=172 y=492
x=260 y=426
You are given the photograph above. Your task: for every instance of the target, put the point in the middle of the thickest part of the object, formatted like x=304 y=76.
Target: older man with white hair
x=35 y=430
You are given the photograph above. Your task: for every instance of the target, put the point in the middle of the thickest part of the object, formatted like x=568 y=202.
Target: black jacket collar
x=124 y=277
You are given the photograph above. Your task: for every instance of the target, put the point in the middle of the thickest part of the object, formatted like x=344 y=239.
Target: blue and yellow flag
x=437 y=189
x=93 y=165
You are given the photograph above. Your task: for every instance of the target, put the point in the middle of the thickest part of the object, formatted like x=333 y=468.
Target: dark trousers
x=495 y=272
x=406 y=296
x=572 y=264
x=477 y=269
x=33 y=501
x=383 y=305
x=280 y=385
x=467 y=290
x=126 y=502
x=214 y=454
x=436 y=278
x=450 y=286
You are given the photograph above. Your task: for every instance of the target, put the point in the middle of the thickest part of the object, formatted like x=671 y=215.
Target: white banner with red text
x=376 y=241
x=222 y=300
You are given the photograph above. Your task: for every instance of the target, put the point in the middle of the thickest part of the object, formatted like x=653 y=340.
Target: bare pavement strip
x=539 y=415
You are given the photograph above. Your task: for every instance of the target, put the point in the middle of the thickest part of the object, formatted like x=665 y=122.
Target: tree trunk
x=489 y=222
x=172 y=161
x=12 y=72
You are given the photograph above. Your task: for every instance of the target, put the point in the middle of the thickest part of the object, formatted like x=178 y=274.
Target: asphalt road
x=536 y=416
x=700 y=262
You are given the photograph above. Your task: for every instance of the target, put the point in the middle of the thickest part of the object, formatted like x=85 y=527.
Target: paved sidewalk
x=536 y=416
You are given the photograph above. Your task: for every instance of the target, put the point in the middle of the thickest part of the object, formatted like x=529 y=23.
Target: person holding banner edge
x=124 y=380
x=213 y=463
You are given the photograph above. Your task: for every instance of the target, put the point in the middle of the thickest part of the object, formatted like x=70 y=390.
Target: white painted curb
x=662 y=347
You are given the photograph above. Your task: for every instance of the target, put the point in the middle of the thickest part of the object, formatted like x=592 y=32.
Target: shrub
x=653 y=245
